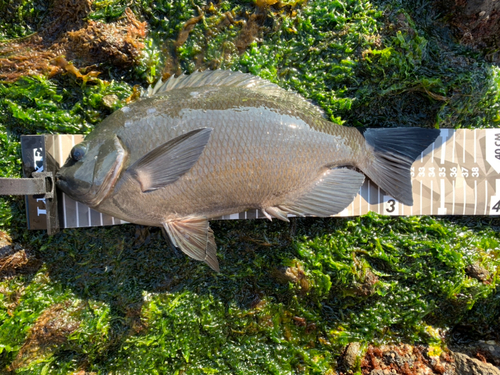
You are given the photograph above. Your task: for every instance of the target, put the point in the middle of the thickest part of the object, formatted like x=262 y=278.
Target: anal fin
x=195 y=238
x=333 y=192
x=276 y=212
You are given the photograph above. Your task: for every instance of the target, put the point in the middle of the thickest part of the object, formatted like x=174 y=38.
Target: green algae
x=289 y=296
x=420 y=267
x=38 y=105
x=425 y=68
x=149 y=309
x=20 y=18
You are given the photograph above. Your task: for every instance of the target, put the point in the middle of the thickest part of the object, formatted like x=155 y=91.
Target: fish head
x=92 y=169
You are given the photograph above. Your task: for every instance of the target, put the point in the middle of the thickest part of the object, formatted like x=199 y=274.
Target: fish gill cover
x=290 y=296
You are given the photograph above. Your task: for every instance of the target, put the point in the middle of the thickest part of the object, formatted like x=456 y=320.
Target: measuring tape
x=458 y=174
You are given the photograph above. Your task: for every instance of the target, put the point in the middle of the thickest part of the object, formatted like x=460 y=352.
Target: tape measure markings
x=453 y=150
x=465 y=197
x=420 y=196
x=359 y=199
x=378 y=199
x=463 y=156
x=432 y=197
x=444 y=138
x=442 y=208
x=453 y=195
x=486 y=195
x=475 y=196
x=368 y=196
x=474 y=146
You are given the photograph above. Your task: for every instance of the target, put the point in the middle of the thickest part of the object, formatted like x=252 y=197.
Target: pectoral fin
x=168 y=162
x=333 y=192
x=195 y=238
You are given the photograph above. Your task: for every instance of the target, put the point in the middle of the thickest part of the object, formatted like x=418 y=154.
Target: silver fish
x=219 y=142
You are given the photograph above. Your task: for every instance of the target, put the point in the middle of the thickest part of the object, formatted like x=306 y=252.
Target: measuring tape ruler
x=458 y=174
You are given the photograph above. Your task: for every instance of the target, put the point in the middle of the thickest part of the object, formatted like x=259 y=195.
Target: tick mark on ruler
x=442 y=208
x=453 y=143
x=444 y=138
x=463 y=147
x=486 y=197
x=474 y=146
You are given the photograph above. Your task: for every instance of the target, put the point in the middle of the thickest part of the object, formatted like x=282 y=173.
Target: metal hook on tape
x=42 y=183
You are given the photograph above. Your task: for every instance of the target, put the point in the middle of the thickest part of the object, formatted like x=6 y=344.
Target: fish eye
x=78 y=152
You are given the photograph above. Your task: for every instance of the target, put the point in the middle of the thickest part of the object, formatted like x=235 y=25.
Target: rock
x=405 y=359
x=416 y=360
x=349 y=359
x=491 y=350
x=367 y=287
x=477 y=272
x=481 y=7
x=465 y=365
x=486 y=351
x=109 y=100
x=392 y=357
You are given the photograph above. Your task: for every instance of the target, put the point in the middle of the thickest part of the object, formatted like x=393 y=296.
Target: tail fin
x=395 y=151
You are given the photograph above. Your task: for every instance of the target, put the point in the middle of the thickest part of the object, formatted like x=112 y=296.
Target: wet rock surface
x=465 y=365
x=416 y=360
x=483 y=350
x=349 y=359
x=405 y=359
x=477 y=272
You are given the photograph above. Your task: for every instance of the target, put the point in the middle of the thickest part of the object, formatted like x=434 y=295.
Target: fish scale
x=214 y=143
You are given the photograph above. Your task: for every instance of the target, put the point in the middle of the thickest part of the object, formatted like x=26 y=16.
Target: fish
x=212 y=143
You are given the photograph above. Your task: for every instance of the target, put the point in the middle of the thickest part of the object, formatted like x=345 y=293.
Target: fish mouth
x=60 y=181
x=111 y=177
x=68 y=186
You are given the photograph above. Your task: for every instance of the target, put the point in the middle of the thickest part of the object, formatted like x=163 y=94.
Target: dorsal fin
x=212 y=78
x=228 y=78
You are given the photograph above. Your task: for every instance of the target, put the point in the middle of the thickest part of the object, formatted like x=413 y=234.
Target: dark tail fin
x=395 y=151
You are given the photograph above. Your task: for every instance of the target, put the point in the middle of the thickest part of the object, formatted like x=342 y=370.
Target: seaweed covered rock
x=476 y=23
x=66 y=31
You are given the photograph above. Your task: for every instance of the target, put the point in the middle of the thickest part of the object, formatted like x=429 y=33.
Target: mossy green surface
x=20 y=18
x=289 y=296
